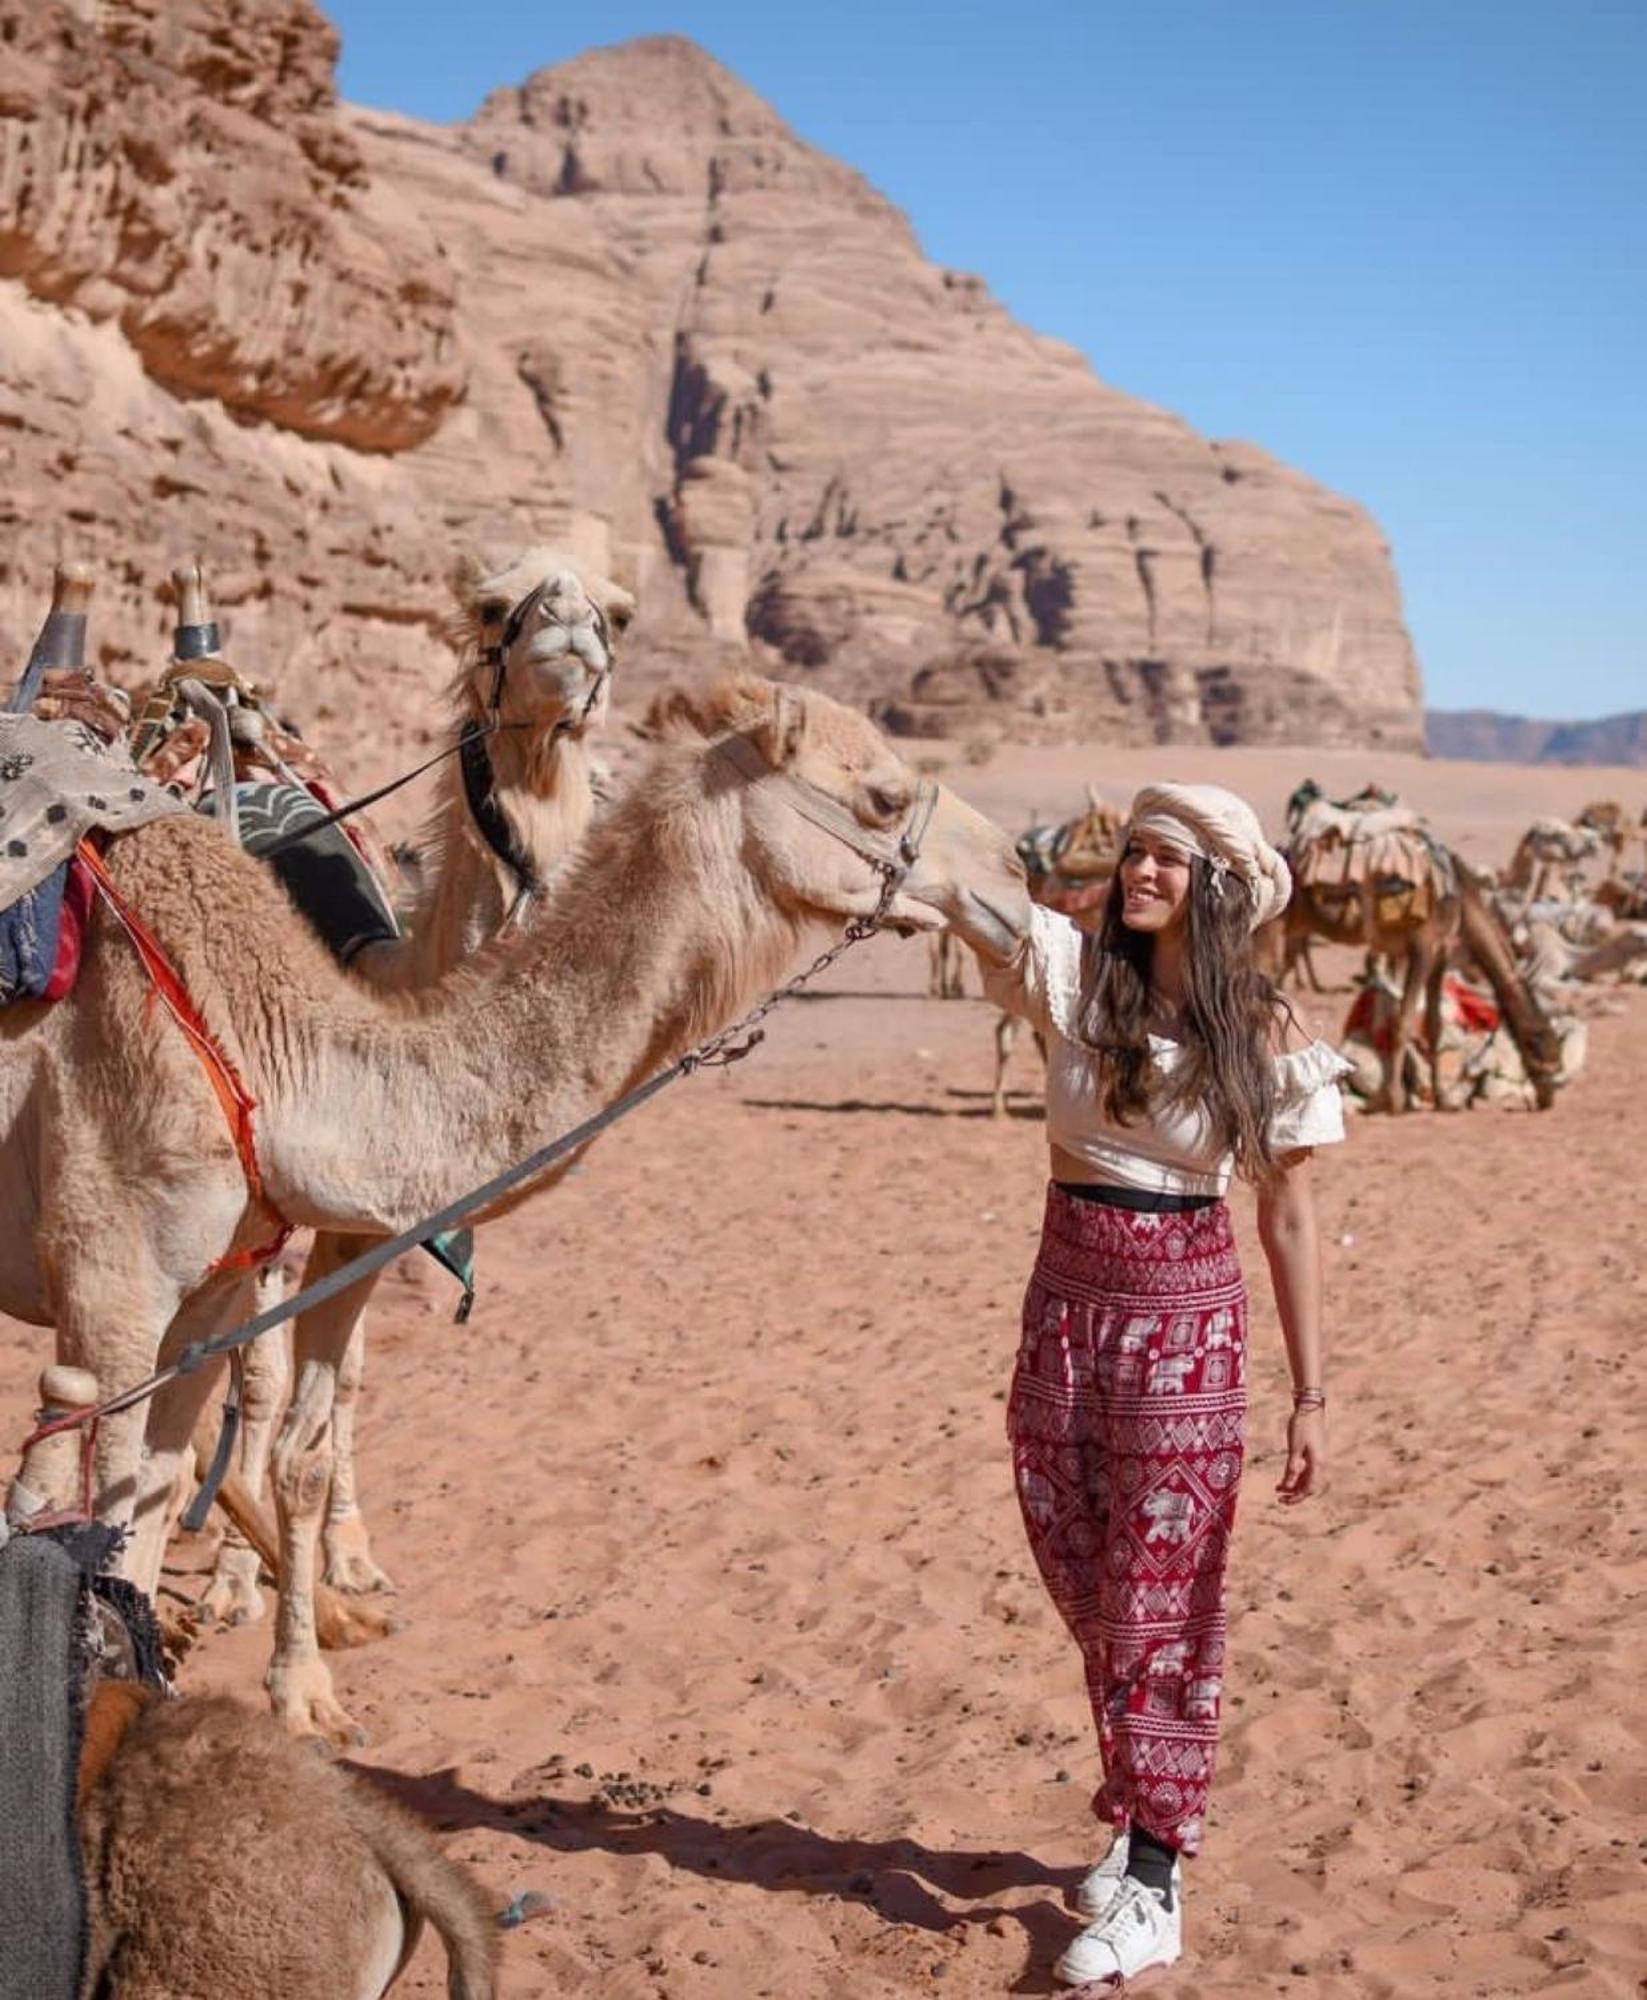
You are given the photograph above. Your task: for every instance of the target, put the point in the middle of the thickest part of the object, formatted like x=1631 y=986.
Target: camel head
x=538 y=636
x=822 y=797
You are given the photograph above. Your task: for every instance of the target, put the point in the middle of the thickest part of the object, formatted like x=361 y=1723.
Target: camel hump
x=207 y=1811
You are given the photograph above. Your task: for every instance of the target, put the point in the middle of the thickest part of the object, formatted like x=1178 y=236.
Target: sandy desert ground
x=723 y=1634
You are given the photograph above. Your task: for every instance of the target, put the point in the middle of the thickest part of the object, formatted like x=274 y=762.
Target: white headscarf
x=1223 y=829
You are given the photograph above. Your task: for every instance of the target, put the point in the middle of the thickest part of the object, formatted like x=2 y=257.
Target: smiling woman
x=1171 y=1066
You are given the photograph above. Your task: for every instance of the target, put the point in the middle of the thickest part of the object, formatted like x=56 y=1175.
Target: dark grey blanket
x=43 y=1595
x=62 y=1619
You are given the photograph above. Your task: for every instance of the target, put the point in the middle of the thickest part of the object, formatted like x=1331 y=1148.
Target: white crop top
x=1172 y=1149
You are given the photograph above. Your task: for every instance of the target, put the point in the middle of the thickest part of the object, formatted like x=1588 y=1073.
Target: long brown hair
x=1231 y=1016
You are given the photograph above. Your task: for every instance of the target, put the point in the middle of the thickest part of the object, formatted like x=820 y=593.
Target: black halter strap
x=480 y=789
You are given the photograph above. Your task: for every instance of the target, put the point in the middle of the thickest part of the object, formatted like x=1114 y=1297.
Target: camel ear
x=780 y=734
x=620 y=609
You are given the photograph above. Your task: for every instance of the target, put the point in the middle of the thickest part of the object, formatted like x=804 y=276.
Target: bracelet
x=1309 y=1399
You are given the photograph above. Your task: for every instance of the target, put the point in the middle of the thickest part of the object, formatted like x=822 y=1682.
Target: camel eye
x=618 y=617
x=887 y=802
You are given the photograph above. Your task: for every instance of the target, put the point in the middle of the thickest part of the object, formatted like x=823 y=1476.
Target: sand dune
x=723 y=1632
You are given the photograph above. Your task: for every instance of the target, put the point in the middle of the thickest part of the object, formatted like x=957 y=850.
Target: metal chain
x=714 y=1052
x=717 y=1051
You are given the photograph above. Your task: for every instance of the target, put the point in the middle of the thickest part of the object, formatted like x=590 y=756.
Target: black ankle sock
x=1150 y=1861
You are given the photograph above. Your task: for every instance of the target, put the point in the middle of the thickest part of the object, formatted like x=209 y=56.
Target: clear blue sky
x=1400 y=243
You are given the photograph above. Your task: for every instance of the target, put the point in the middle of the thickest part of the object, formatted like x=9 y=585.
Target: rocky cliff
x=625 y=307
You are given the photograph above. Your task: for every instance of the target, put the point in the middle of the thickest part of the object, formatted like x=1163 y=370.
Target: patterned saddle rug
x=321 y=869
x=59 y=780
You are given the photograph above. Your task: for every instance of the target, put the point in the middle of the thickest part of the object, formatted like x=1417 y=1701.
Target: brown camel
x=766 y=813
x=1424 y=905
x=222 y=1858
x=535 y=640
x=1069 y=868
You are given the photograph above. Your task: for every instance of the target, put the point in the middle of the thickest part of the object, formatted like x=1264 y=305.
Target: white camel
x=536 y=645
x=766 y=812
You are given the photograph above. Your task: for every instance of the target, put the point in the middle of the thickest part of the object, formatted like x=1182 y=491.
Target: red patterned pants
x=1126 y=1421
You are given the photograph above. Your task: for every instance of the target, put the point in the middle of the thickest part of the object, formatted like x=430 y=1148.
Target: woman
x=1171 y=1064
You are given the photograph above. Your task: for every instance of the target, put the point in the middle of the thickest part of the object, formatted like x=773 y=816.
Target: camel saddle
x=59 y=781
x=1382 y=852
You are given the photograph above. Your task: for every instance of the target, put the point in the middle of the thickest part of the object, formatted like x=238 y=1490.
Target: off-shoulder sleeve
x=1309 y=1111
x=1042 y=979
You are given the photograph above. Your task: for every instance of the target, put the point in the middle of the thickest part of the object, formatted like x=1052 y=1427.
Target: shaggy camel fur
x=125 y=1189
x=222 y=1858
x=553 y=693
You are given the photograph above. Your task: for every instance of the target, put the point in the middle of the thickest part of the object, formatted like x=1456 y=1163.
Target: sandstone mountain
x=626 y=308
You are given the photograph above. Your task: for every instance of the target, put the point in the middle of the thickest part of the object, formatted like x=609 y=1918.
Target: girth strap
x=239 y=1106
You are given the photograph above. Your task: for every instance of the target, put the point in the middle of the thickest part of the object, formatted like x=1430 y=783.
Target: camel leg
x=299 y=1682
x=233 y=1596
x=171 y=1415
x=1395 y=1080
x=1311 y=974
x=349 y=1564
x=1432 y=1027
x=1006 y=1033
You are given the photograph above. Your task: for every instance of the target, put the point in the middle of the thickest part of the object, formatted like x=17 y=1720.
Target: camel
x=1069 y=868
x=222 y=1857
x=1551 y=850
x=1609 y=821
x=1417 y=908
x=534 y=638
x=765 y=813
x=945 y=979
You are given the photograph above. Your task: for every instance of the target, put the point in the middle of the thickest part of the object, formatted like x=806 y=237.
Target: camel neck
x=655 y=935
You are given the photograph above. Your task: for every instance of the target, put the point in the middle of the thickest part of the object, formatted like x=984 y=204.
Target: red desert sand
x=724 y=1635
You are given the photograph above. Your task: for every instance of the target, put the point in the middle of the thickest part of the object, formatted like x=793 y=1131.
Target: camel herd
x=560 y=946
x=1369 y=873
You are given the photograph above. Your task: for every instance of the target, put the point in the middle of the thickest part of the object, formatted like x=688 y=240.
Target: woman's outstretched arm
x=1292 y=1244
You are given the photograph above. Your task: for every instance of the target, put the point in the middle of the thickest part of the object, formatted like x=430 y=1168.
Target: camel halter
x=479 y=780
x=891 y=854
x=479 y=776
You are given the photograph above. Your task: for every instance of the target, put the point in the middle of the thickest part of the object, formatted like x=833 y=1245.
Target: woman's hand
x=1306 y=1456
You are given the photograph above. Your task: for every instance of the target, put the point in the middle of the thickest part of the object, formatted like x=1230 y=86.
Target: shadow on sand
x=973 y=1104
x=895 y=1878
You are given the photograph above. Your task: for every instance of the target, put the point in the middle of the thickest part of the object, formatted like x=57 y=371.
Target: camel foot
x=300 y=1693
x=341 y=1625
x=233 y=1597
x=349 y=1564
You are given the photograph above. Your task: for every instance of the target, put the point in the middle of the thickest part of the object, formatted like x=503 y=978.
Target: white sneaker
x=1141 y=1931
x=1098 y=1886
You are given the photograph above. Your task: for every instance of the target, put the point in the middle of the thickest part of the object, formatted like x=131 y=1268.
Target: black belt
x=1152 y=1201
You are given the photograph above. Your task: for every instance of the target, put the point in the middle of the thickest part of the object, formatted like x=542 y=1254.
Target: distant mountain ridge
x=1485 y=736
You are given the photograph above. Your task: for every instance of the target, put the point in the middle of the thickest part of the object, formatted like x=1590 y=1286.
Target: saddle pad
x=323 y=872
x=42 y=1913
x=59 y=780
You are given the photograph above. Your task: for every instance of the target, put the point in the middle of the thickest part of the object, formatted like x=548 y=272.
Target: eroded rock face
x=622 y=309
x=180 y=167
